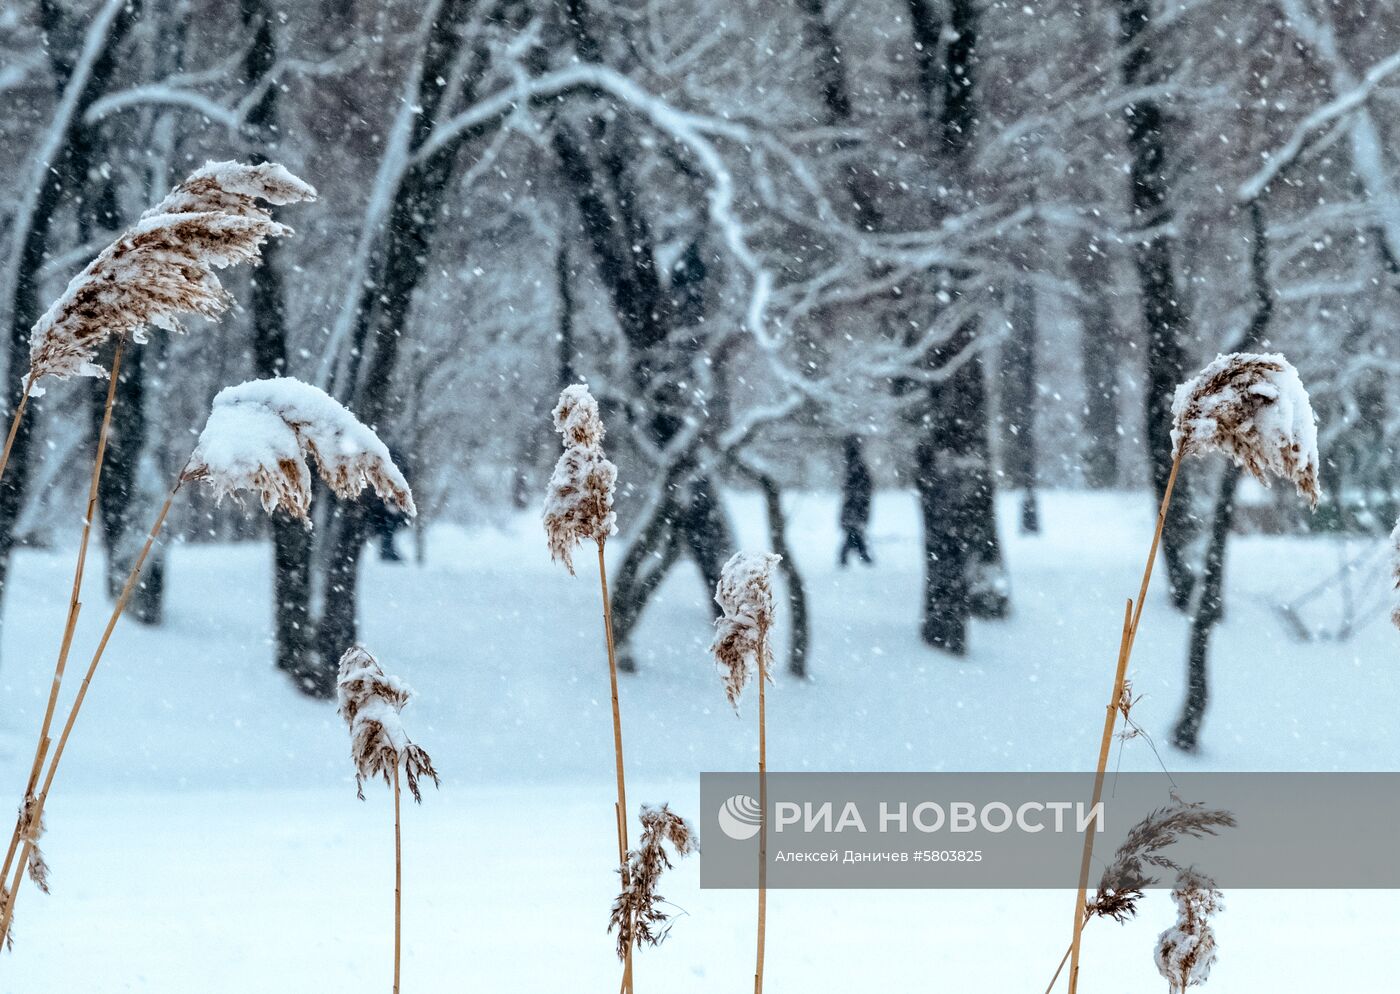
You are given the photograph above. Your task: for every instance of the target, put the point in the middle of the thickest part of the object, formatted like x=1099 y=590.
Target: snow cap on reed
x=741 y=643
x=1186 y=951
x=260 y=433
x=579 y=503
x=1395 y=572
x=635 y=914
x=161 y=268
x=235 y=188
x=370 y=701
x=1254 y=409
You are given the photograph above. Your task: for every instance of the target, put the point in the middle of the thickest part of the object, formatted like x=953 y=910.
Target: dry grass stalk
x=371 y=702
x=1254 y=409
x=163 y=267
x=578 y=508
x=745 y=596
x=740 y=646
x=635 y=914
x=578 y=505
x=159 y=269
x=1131 y=870
x=1186 y=951
x=260 y=433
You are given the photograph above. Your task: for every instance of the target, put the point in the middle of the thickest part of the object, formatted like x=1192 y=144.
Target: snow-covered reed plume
x=371 y=702
x=1254 y=409
x=162 y=267
x=1132 y=869
x=1395 y=572
x=741 y=644
x=635 y=914
x=578 y=505
x=235 y=188
x=260 y=433
x=1186 y=951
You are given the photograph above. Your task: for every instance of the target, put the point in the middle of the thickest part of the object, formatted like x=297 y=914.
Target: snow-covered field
x=204 y=833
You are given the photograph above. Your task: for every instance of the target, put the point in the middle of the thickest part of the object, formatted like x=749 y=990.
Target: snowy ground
x=204 y=832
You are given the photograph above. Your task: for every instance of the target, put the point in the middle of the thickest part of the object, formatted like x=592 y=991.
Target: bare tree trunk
x=1019 y=403
x=796 y=590
x=83 y=64
x=400 y=258
x=1099 y=349
x=1209 y=606
x=1163 y=316
x=963 y=574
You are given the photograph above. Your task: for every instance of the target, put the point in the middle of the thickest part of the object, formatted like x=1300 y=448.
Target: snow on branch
x=162 y=267
x=260 y=433
x=1304 y=134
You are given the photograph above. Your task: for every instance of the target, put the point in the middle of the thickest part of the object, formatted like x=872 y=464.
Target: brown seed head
x=1254 y=409
x=578 y=505
x=635 y=914
x=741 y=643
x=370 y=701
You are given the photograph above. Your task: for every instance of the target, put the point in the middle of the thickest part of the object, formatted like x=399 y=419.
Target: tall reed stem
x=74 y=607
x=42 y=798
x=620 y=811
x=398 y=883
x=14 y=426
x=762 y=812
x=1132 y=616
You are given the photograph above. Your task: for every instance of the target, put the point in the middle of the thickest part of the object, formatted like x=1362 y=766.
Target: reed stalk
x=1131 y=618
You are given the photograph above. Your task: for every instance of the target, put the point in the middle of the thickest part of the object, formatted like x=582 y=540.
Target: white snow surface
x=203 y=822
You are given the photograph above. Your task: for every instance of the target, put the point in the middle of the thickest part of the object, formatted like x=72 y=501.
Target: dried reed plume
x=741 y=645
x=578 y=505
x=370 y=702
x=162 y=267
x=31 y=829
x=259 y=434
x=1395 y=572
x=1186 y=951
x=635 y=914
x=745 y=595
x=1131 y=870
x=234 y=188
x=1254 y=409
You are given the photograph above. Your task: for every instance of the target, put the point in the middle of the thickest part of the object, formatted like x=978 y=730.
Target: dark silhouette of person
x=857 y=489
x=385 y=521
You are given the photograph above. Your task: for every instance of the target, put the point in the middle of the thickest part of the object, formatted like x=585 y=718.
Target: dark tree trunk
x=1090 y=268
x=963 y=575
x=1209 y=606
x=796 y=590
x=1019 y=403
x=291 y=544
x=662 y=323
x=400 y=259
x=1208 y=609
x=1163 y=315
x=63 y=177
